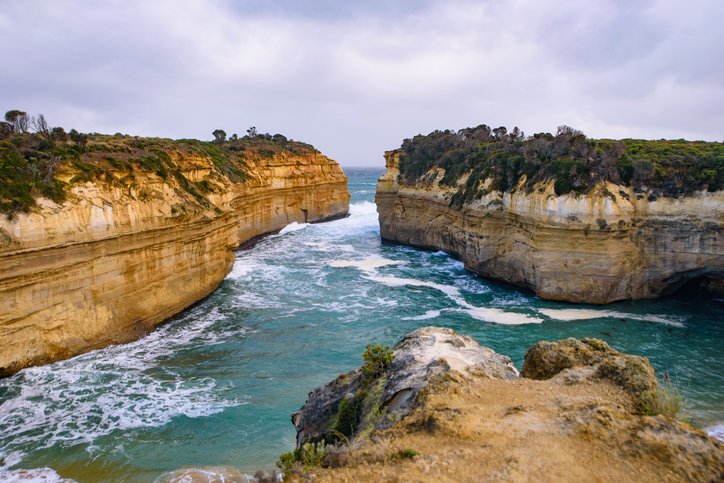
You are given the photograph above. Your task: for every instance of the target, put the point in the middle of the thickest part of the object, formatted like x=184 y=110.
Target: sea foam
x=568 y=315
x=37 y=475
x=79 y=400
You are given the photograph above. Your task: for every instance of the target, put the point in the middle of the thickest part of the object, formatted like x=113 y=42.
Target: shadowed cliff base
x=598 y=238
x=144 y=228
x=578 y=413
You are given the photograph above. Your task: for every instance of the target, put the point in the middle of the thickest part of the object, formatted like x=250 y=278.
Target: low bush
x=573 y=162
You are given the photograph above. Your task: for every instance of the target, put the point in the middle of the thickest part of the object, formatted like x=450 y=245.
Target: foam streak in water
x=568 y=315
x=493 y=315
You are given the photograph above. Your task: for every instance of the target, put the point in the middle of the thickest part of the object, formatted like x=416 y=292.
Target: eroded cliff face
x=611 y=244
x=117 y=259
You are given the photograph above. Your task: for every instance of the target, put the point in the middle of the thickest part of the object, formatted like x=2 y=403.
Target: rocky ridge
x=612 y=243
x=574 y=415
x=119 y=257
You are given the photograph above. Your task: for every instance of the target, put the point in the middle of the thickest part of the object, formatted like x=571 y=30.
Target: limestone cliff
x=612 y=243
x=574 y=415
x=131 y=247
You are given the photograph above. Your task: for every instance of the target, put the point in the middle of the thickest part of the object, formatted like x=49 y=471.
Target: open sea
x=214 y=389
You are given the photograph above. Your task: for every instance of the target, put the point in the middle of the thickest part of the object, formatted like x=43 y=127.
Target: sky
x=356 y=78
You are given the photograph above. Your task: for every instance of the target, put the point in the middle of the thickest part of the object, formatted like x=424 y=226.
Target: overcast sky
x=354 y=78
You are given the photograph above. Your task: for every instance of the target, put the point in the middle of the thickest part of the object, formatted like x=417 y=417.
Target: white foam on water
x=252 y=300
x=246 y=268
x=493 y=315
x=501 y=317
x=430 y=314
x=386 y=303
x=716 y=432
x=240 y=271
x=218 y=474
x=366 y=265
x=325 y=247
x=37 y=475
x=292 y=227
x=209 y=474
x=363 y=208
x=568 y=315
x=120 y=387
x=393 y=281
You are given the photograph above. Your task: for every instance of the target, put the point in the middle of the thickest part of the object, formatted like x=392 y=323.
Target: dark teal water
x=216 y=387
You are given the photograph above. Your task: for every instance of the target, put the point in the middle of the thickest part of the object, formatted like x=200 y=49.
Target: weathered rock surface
x=573 y=358
x=114 y=261
x=594 y=248
x=420 y=356
x=431 y=351
x=471 y=424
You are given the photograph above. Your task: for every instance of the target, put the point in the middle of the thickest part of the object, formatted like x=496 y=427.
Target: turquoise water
x=216 y=386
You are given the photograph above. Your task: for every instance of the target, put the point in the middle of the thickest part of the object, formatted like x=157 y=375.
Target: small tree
x=18 y=119
x=220 y=136
x=59 y=134
x=78 y=138
x=41 y=126
x=252 y=132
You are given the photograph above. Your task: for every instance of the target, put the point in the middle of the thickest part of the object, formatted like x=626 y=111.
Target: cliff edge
x=449 y=409
x=588 y=239
x=142 y=228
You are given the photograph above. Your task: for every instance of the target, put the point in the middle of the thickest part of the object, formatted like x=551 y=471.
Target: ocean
x=213 y=390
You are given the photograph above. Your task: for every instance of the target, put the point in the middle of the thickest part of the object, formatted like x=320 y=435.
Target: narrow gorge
x=147 y=228
x=573 y=231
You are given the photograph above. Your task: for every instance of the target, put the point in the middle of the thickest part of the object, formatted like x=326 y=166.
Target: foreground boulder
x=573 y=358
x=448 y=409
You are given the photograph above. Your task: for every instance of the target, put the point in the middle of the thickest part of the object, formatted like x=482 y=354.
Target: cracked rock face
x=430 y=351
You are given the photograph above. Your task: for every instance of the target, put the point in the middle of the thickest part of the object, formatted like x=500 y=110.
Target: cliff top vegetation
x=32 y=154
x=576 y=163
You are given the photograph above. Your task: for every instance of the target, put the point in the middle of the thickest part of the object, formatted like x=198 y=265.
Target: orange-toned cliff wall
x=114 y=261
x=611 y=244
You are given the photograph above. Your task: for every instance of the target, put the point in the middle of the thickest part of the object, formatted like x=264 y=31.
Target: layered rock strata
x=117 y=259
x=611 y=244
x=574 y=415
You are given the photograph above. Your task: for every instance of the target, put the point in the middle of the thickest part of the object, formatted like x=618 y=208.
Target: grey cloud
x=355 y=78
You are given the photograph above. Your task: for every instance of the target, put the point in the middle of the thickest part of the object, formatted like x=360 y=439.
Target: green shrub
x=667 y=400
x=406 y=454
x=349 y=415
x=378 y=360
x=309 y=456
x=574 y=162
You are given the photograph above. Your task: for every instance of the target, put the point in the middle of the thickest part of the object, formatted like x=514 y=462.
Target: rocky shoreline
x=449 y=409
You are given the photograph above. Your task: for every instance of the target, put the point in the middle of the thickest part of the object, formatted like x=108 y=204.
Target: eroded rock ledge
x=116 y=259
x=610 y=244
x=574 y=415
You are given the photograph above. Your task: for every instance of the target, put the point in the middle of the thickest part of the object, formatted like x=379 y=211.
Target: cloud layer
x=355 y=78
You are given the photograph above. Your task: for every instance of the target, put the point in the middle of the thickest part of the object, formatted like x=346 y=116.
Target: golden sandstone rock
x=611 y=244
x=115 y=260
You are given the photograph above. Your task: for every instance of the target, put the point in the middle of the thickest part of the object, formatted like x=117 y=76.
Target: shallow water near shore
x=214 y=389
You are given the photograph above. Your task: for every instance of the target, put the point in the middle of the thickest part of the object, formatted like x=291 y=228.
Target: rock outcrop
x=420 y=356
x=120 y=257
x=472 y=419
x=611 y=244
